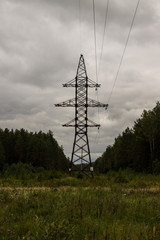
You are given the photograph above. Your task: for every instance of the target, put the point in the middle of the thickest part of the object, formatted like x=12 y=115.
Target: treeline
x=137 y=148
x=38 y=149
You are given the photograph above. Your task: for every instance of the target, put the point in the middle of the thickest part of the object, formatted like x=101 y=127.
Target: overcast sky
x=40 y=45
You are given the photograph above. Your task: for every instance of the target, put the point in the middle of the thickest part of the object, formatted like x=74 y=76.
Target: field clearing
x=66 y=188
x=73 y=209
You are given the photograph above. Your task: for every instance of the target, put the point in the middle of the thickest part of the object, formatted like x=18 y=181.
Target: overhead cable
x=101 y=52
x=124 y=50
x=118 y=70
x=104 y=31
x=80 y=27
x=95 y=40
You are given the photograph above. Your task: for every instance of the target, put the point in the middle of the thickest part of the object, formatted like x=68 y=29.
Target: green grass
x=118 y=206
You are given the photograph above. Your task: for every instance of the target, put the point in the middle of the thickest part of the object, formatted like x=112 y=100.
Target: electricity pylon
x=81 y=158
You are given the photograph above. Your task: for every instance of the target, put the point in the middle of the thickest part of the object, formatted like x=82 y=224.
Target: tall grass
x=118 y=206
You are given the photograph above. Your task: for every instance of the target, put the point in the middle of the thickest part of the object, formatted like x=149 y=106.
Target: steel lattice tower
x=81 y=158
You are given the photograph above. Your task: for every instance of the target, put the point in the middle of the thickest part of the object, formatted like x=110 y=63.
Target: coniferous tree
x=37 y=149
x=136 y=148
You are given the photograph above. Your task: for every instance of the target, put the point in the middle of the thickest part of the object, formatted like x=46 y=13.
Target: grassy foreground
x=118 y=206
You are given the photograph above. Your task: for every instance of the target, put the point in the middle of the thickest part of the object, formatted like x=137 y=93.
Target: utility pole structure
x=81 y=158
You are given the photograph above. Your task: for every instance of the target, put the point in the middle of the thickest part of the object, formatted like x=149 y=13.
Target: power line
x=104 y=31
x=101 y=52
x=135 y=12
x=95 y=39
x=80 y=26
x=118 y=70
x=95 y=43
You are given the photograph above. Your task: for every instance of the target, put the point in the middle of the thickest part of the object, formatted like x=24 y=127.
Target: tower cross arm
x=71 y=83
x=93 y=84
x=80 y=83
x=68 y=103
x=90 y=103
x=70 y=123
x=90 y=123
x=94 y=103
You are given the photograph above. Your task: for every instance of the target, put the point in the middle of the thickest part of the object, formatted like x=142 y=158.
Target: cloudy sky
x=40 y=45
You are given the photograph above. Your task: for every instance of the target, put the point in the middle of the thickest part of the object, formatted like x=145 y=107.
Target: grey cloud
x=39 y=50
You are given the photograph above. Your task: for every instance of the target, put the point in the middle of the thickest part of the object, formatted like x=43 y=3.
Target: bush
x=156 y=166
x=24 y=171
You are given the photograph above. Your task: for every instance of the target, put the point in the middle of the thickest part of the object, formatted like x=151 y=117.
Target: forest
x=35 y=149
x=137 y=148
x=40 y=201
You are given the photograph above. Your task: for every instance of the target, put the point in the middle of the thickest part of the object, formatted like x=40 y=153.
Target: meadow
x=116 y=206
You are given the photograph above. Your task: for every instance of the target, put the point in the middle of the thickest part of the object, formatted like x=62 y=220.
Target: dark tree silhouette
x=137 y=148
x=38 y=149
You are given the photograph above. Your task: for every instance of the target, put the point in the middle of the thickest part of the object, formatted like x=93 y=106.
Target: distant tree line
x=38 y=149
x=137 y=148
